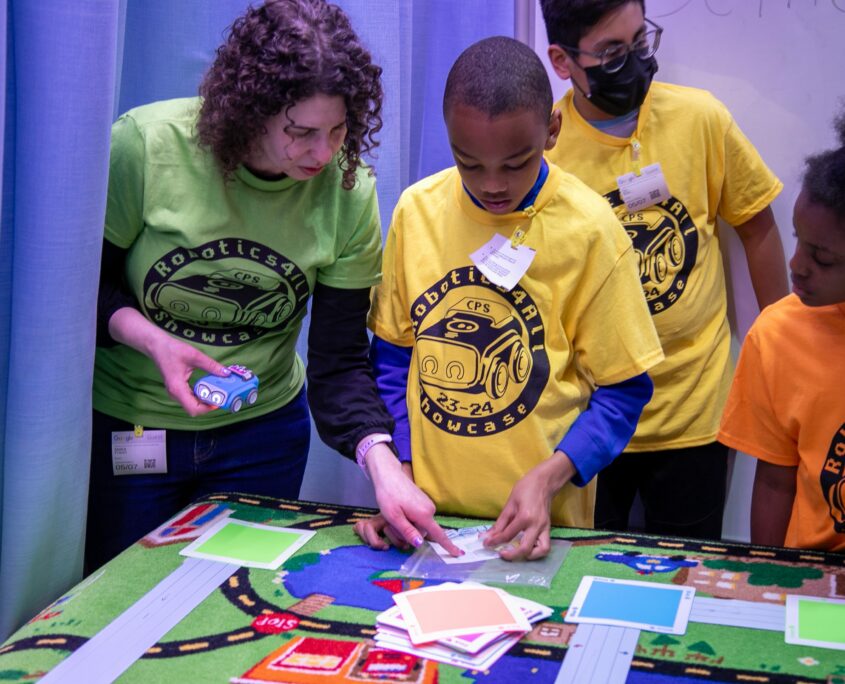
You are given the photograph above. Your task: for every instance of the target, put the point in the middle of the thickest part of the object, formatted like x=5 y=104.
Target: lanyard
x=521 y=232
x=636 y=148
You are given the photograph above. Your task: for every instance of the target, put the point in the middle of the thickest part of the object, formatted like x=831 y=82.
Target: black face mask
x=623 y=91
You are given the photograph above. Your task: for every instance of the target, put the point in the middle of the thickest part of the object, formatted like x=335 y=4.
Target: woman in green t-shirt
x=226 y=214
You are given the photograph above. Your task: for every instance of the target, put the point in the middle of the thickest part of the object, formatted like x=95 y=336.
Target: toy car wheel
x=497 y=379
x=287 y=310
x=236 y=405
x=252 y=397
x=519 y=362
x=641 y=263
x=676 y=251
x=661 y=268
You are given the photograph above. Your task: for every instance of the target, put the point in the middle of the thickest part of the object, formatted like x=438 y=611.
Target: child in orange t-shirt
x=786 y=405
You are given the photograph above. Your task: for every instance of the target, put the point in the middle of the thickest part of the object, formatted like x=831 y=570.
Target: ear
x=560 y=61
x=554 y=128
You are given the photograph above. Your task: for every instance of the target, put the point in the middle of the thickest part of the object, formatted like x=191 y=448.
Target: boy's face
x=818 y=264
x=499 y=158
x=622 y=26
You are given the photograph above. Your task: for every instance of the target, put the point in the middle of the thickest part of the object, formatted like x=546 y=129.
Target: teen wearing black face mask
x=669 y=159
x=620 y=80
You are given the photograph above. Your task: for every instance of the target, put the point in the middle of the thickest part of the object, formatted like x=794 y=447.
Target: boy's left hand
x=528 y=510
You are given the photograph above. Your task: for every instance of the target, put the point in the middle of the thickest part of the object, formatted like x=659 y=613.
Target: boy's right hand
x=406 y=510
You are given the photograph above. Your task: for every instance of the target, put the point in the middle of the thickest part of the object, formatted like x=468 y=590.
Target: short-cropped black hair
x=568 y=20
x=499 y=75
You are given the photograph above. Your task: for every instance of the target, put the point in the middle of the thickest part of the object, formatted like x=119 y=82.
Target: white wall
x=778 y=66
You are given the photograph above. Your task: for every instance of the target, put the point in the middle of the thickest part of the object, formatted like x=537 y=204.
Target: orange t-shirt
x=787 y=407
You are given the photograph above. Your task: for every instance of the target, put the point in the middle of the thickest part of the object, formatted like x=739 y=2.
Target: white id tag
x=501 y=263
x=645 y=190
x=139 y=453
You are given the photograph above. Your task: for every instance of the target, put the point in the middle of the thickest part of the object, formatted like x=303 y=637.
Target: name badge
x=142 y=452
x=645 y=190
x=502 y=263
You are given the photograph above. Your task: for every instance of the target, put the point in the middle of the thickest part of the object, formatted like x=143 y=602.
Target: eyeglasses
x=613 y=58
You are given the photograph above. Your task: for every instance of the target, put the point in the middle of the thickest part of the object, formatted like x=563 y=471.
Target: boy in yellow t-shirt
x=786 y=405
x=670 y=160
x=511 y=335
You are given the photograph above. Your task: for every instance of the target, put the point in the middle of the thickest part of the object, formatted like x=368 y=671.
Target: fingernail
x=225 y=371
x=417 y=541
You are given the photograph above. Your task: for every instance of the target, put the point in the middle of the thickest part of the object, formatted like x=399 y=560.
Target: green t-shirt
x=227 y=266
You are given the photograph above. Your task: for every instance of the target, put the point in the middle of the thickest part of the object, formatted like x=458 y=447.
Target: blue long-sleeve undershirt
x=390 y=365
x=596 y=437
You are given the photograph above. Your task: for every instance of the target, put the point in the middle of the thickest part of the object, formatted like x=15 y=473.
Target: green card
x=815 y=622
x=249 y=544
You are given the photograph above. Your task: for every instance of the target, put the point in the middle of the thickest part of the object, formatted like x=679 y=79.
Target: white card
x=645 y=190
x=471 y=541
x=481 y=661
x=813 y=621
x=650 y=606
x=391 y=620
x=501 y=263
x=139 y=454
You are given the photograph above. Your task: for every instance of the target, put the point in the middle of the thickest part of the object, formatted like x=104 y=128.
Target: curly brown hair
x=276 y=55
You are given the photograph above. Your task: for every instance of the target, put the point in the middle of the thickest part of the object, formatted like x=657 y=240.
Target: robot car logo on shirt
x=666 y=244
x=833 y=481
x=224 y=292
x=480 y=353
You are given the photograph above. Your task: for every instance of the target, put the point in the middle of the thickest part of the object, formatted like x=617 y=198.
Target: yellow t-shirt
x=786 y=407
x=711 y=170
x=497 y=377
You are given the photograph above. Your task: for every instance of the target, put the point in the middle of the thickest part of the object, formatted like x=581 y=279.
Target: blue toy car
x=231 y=392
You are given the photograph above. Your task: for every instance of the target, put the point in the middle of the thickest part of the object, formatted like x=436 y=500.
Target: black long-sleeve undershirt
x=342 y=391
x=114 y=292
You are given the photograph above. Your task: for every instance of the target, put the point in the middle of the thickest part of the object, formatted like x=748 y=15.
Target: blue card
x=626 y=603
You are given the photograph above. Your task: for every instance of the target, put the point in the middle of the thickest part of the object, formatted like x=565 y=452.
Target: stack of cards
x=468 y=625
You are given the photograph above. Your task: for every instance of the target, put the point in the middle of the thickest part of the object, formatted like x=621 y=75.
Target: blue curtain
x=59 y=99
x=69 y=69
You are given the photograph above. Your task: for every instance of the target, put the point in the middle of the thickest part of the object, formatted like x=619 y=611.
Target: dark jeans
x=682 y=490
x=264 y=455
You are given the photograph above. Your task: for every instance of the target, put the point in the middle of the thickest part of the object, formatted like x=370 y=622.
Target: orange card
x=455 y=609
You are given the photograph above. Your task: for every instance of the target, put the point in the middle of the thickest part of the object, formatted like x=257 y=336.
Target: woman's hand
x=407 y=511
x=526 y=518
x=176 y=360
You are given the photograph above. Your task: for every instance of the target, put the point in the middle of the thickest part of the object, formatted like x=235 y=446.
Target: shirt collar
x=530 y=198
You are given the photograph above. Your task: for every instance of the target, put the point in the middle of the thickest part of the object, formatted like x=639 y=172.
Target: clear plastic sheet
x=425 y=563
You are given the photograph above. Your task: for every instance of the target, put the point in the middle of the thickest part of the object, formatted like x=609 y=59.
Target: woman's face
x=300 y=141
x=818 y=264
